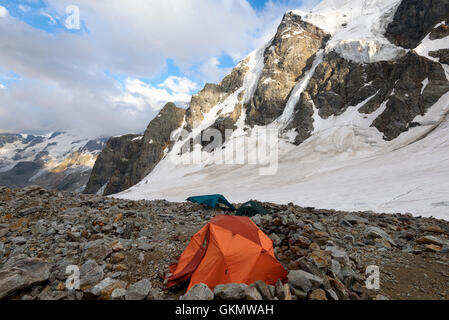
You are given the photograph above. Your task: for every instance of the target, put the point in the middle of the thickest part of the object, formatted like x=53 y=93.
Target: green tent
x=251 y=208
x=213 y=201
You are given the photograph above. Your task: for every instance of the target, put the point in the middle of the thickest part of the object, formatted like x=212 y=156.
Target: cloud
x=137 y=37
x=179 y=84
x=212 y=71
x=63 y=83
x=141 y=94
x=62 y=86
x=3 y=12
x=49 y=16
x=37 y=107
x=24 y=8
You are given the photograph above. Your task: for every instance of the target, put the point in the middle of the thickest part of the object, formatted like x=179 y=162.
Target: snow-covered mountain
x=358 y=92
x=59 y=160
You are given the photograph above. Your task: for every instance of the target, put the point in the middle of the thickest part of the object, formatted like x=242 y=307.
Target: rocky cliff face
x=415 y=19
x=128 y=159
x=404 y=89
x=112 y=164
x=60 y=160
x=285 y=61
x=213 y=95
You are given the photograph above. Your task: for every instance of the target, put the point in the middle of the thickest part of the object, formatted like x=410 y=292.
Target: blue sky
x=40 y=15
x=258 y=4
x=124 y=62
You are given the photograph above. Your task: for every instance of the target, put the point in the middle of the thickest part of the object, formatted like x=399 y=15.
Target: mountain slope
x=59 y=160
x=361 y=115
x=128 y=159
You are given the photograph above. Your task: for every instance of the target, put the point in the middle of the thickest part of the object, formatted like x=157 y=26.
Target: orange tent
x=229 y=249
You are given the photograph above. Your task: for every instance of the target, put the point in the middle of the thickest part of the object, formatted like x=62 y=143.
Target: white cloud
x=63 y=86
x=136 y=37
x=3 y=12
x=2 y=86
x=145 y=95
x=63 y=82
x=49 y=16
x=38 y=107
x=179 y=84
x=211 y=70
x=24 y=8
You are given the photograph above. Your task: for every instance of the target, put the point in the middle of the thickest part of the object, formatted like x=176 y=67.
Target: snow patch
x=291 y=135
x=100 y=192
x=255 y=65
x=357 y=28
x=424 y=85
x=428 y=45
x=299 y=88
x=39 y=174
x=351 y=117
x=366 y=51
x=336 y=15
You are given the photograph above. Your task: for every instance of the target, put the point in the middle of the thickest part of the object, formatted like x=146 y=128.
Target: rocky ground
x=123 y=249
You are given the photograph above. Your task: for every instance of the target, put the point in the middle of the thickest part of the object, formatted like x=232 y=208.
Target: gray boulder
x=375 y=233
x=199 y=291
x=139 y=290
x=22 y=276
x=118 y=294
x=96 y=290
x=353 y=219
x=96 y=250
x=304 y=281
x=90 y=273
x=251 y=293
x=231 y=291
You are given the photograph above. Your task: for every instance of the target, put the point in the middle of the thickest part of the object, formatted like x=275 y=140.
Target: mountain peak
x=350 y=104
x=58 y=159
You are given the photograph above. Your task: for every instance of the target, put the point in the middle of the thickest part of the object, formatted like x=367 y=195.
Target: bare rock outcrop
x=415 y=19
x=126 y=160
x=286 y=60
x=409 y=86
x=212 y=94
